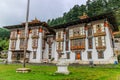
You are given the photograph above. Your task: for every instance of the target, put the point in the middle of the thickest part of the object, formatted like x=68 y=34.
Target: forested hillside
x=4 y=39
x=92 y=8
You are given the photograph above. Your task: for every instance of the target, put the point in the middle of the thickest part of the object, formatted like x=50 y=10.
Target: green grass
x=42 y=72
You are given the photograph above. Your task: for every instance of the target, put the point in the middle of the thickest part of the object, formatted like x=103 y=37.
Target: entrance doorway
x=78 y=55
x=18 y=55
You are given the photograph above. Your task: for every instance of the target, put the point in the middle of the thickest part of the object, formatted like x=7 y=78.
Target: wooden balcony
x=59 y=50
x=35 y=36
x=99 y=34
x=77 y=47
x=34 y=47
x=13 y=38
x=12 y=47
x=21 y=47
x=22 y=37
x=59 y=39
x=100 y=47
x=78 y=36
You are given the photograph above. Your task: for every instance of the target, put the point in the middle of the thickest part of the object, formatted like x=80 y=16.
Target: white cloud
x=13 y=12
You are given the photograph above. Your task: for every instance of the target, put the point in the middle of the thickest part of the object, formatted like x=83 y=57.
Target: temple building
x=87 y=39
x=38 y=34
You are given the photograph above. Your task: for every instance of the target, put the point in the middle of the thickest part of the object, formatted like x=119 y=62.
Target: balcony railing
x=21 y=47
x=59 y=39
x=22 y=37
x=12 y=47
x=78 y=36
x=34 y=47
x=59 y=50
x=77 y=47
x=13 y=37
x=35 y=36
x=100 y=47
x=99 y=34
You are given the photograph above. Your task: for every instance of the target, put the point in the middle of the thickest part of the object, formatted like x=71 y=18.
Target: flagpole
x=26 y=33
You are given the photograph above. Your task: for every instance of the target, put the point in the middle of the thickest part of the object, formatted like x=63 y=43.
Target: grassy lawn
x=44 y=72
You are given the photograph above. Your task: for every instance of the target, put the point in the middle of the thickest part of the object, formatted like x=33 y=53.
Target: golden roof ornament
x=33 y=21
x=84 y=16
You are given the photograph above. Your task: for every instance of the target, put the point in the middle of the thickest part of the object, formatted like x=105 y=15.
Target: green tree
x=4 y=39
x=4 y=33
x=92 y=8
x=4 y=44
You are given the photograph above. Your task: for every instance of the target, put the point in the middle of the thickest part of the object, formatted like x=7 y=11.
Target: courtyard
x=47 y=72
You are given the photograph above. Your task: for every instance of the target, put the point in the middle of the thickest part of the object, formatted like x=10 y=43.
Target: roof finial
x=84 y=16
x=35 y=20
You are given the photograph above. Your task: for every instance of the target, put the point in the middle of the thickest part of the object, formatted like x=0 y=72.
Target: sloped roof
x=33 y=23
x=109 y=16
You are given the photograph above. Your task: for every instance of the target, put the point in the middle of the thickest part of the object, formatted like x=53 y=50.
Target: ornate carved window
x=43 y=43
x=22 y=34
x=82 y=31
x=89 y=55
x=67 y=45
x=98 y=28
x=13 y=44
x=67 y=34
x=76 y=31
x=34 y=54
x=71 y=33
x=78 y=44
x=49 y=56
x=59 y=45
x=34 y=43
x=35 y=33
x=68 y=55
x=90 y=31
x=59 y=35
x=21 y=43
x=100 y=41
x=13 y=35
x=90 y=43
x=82 y=42
x=100 y=54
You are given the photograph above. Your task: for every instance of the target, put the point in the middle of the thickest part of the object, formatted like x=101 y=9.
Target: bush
x=118 y=57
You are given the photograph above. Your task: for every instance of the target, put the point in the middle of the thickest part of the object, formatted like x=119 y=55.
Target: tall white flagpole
x=26 y=33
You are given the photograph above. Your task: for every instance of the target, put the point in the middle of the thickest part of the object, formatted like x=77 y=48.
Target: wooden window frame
x=89 y=54
x=34 y=54
x=90 y=43
x=101 y=54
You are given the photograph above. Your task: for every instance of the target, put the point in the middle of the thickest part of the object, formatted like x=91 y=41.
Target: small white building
x=85 y=40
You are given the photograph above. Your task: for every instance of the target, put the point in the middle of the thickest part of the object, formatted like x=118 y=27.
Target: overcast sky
x=13 y=12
